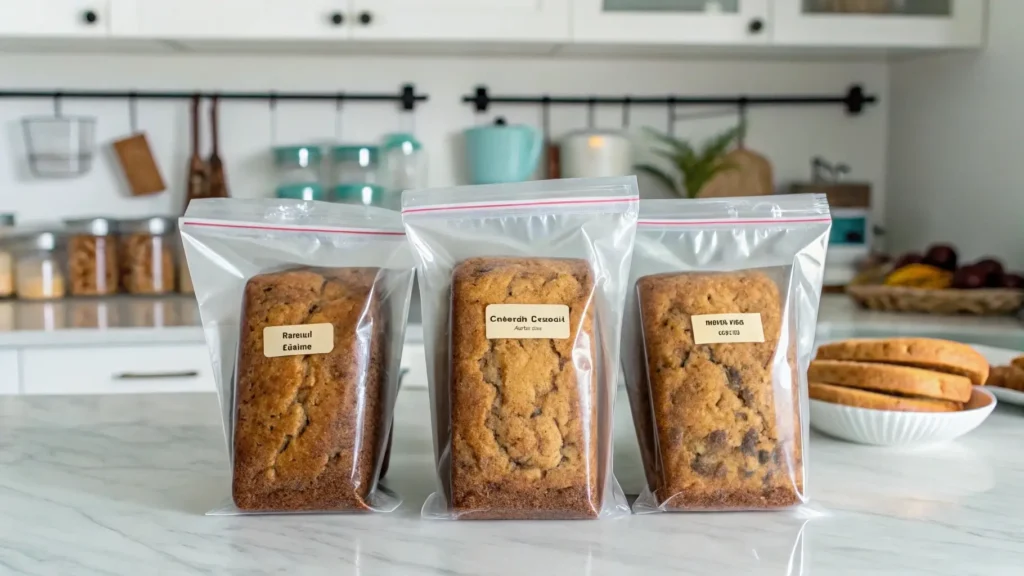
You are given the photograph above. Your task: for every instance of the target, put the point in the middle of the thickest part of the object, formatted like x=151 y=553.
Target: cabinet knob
x=90 y=17
x=365 y=18
x=756 y=26
x=337 y=18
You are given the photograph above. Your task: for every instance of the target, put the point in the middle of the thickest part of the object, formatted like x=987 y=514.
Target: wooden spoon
x=218 y=181
x=197 y=169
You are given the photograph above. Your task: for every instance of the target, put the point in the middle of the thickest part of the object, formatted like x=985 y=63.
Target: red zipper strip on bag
x=521 y=204
x=295 y=229
x=735 y=221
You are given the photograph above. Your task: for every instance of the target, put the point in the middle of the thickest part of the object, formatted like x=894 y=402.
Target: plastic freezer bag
x=304 y=307
x=522 y=288
x=717 y=338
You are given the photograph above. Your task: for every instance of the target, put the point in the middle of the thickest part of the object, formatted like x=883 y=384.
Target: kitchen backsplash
x=789 y=137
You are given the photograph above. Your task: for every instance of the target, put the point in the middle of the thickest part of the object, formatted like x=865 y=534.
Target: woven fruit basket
x=982 y=302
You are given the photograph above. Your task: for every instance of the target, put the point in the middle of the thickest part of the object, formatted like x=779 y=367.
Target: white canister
x=596 y=153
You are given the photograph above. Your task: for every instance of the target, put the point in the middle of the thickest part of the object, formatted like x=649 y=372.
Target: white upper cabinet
x=700 y=22
x=54 y=18
x=880 y=23
x=468 y=20
x=234 y=19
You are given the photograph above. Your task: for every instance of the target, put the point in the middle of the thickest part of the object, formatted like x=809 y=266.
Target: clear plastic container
x=310 y=191
x=59 y=146
x=6 y=259
x=297 y=166
x=367 y=195
x=39 y=266
x=355 y=164
x=92 y=257
x=147 y=252
x=403 y=163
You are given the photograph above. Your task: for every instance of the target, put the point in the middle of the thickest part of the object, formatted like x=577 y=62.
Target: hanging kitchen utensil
x=197 y=169
x=218 y=185
x=552 y=152
x=750 y=174
x=136 y=157
x=59 y=146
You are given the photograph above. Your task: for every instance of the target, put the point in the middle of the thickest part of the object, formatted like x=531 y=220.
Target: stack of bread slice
x=902 y=374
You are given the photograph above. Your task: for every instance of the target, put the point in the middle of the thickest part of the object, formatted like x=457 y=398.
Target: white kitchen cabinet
x=234 y=19
x=9 y=374
x=54 y=18
x=117 y=369
x=465 y=20
x=880 y=23
x=700 y=22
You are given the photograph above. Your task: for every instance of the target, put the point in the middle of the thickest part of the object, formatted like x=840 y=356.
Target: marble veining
x=120 y=485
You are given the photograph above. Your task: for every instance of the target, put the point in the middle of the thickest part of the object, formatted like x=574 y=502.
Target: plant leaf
x=660 y=175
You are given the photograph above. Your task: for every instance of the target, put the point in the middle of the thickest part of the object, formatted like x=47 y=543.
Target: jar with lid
x=403 y=163
x=367 y=195
x=38 y=265
x=309 y=191
x=297 y=166
x=147 y=249
x=6 y=259
x=93 y=268
x=355 y=164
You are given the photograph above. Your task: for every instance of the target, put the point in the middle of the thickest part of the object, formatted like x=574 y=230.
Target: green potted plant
x=694 y=168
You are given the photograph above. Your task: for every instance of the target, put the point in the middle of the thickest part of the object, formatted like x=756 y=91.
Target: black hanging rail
x=406 y=96
x=854 y=100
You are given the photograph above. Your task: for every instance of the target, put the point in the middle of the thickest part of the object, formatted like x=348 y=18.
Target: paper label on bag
x=527 y=321
x=298 y=340
x=727 y=328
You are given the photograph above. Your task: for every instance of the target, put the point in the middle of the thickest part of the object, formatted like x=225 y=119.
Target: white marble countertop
x=119 y=485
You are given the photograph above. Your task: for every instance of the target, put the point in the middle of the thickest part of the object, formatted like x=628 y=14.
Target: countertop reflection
x=101 y=485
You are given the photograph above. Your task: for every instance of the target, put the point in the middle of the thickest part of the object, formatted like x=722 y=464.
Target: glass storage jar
x=355 y=164
x=297 y=166
x=6 y=259
x=92 y=257
x=403 y=163
x=310 y=191
x=147 y=248
x=38 y=269
x=184 y=276
x=367 y=195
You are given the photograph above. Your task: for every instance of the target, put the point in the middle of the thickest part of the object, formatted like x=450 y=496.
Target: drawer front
x=117 y=370
x=9 y=372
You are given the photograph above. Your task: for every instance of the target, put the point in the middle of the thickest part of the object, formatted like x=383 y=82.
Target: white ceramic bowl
x=890 y=428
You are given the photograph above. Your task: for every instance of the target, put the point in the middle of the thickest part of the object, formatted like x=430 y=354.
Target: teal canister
x=500 y=153
x=308 y=191
x=367 y=195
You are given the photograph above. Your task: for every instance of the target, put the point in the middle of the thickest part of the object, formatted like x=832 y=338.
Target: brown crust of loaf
x=307 y=427
x=890 y=379
x=877 y=401
x=524 y=438
x=724 y=441
x=928 y=353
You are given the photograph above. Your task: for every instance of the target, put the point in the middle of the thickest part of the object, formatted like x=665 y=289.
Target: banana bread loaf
x=307 y=426
x=724 y=440
x=524 y=411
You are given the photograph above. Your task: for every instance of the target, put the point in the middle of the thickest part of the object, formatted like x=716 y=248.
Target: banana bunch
x=920 y=276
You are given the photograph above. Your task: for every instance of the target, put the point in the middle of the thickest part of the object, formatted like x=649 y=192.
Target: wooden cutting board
x=751 y=175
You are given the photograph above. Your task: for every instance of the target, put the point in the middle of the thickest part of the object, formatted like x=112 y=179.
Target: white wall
x=788 y=136
x=957 y=146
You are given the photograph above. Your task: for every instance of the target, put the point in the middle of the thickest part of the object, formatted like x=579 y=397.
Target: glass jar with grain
x=92 y=257
x=38 y=265
x=147 y=250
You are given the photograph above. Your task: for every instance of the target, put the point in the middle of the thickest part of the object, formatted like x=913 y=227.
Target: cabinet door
x=469 y=20
x=880 y=23
x=234 y=19
x=54 y=18
x=703 y=22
